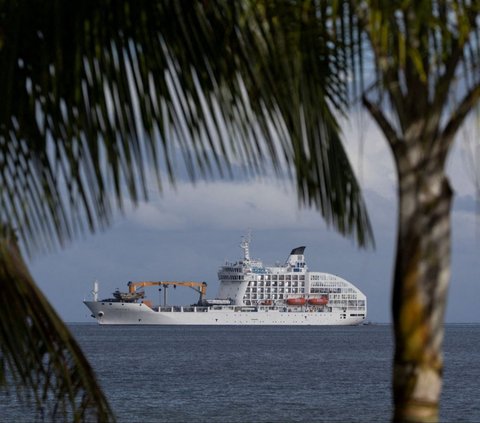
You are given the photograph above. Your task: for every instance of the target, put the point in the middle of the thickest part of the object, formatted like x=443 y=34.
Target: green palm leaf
x=37 y=350
x=96 y=95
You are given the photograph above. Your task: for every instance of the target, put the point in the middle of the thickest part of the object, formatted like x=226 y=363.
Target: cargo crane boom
x=200 y=287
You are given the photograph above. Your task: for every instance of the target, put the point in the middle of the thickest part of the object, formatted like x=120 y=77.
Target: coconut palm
x=427 y=80
x=98 y=95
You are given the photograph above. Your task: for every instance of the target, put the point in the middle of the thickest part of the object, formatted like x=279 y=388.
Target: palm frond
x=421 y=49
x=38 y=352
x=97 y=94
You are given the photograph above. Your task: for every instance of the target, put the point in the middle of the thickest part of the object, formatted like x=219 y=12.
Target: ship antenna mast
x=245 y=246
x=95 y=291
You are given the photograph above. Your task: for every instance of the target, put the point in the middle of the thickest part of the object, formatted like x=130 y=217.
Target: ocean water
x=265 y=374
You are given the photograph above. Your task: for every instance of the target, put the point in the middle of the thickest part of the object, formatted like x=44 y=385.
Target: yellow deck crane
x=200 y=287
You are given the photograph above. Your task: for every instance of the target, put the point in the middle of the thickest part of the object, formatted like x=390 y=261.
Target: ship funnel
x=297 y=259
x=298 y=251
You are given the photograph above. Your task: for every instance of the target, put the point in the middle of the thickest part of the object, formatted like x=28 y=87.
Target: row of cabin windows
x=232 y=269
x=273 y=289
x=231 y=277
x=335 y=283
x=323 y=290
x=287 y=290
x=347 y=303
x=269 y=283
x=323 y=277
x=339 y=287
x=263 y=297
x=282 y=277
x=344 y=296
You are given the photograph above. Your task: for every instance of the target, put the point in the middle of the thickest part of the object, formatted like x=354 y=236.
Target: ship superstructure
x=249 y=293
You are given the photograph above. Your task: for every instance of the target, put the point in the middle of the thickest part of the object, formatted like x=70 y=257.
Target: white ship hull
x=121 y=313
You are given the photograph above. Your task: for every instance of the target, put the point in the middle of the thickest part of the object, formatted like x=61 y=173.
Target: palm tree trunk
x=422 y=274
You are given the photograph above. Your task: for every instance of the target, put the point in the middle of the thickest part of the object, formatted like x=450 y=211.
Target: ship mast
x=95 y=291
x=245 y=246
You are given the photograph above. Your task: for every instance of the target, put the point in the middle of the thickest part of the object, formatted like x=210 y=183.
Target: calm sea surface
x=265 y=374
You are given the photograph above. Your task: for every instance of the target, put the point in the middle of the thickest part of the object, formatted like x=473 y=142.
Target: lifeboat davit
x=296 y=301
x=323 y=300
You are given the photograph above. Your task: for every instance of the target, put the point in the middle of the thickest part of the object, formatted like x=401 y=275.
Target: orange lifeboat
x=296 y=301
x=323 y=300
x=266 y=302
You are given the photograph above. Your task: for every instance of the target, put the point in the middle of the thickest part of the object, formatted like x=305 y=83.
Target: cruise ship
x=250 y=293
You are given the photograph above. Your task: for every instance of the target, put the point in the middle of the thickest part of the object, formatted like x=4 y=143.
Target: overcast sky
x=188 y=233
